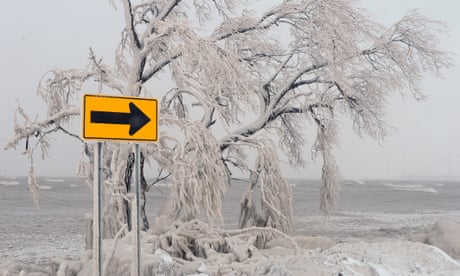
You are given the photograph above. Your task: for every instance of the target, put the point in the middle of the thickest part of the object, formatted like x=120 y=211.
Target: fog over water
x=39 y=35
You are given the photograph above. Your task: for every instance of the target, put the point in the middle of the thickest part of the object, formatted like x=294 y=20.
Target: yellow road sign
x=120 y=118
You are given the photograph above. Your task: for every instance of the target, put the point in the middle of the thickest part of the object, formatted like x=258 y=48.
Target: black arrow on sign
x=136 y=119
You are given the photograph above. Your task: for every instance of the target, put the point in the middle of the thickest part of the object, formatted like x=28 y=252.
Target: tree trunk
x=128 y=177
x=145 y=221
x=128 y=181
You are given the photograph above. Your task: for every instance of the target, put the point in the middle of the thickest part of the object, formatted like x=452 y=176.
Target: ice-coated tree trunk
x=145 y=222
x=129 y=183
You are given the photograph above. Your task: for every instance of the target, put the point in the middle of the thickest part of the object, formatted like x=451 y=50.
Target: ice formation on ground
x=196 y=248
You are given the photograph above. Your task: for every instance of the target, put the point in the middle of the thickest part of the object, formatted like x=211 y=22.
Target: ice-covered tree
x=245 y=86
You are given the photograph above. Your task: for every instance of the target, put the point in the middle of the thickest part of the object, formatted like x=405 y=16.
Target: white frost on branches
x=300 y=64
x=199 y=175
x=275 y=192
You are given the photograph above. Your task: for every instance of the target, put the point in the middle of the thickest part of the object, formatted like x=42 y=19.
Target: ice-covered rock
x=446 y=235
x=306 y=242
x=119 y=261
x=11 y=268
x=391 y=257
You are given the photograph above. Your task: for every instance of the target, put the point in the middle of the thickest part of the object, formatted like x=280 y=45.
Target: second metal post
x=137 y=212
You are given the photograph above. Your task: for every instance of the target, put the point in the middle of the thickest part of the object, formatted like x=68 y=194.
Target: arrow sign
x=136 y=119
x=119 y=118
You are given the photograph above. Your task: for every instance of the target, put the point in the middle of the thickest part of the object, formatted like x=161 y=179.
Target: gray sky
x=40 y=35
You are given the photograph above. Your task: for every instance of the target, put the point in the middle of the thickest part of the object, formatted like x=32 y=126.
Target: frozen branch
x=147 y=75
x=32 y=128
x=129 y=20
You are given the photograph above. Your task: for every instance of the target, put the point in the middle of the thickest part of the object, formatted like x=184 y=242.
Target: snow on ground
x=357 y=226
x=367 y=244
x=372 y=237
x=392 y=257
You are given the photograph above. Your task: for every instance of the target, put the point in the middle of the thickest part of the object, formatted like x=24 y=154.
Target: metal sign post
x=123 y=119
x=97 y=218
x=137 y=252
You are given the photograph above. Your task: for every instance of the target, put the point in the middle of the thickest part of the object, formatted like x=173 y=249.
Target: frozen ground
x=368 y=226
x=369 y=211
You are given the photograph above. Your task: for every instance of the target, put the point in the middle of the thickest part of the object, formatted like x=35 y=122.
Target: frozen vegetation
x=245 y=86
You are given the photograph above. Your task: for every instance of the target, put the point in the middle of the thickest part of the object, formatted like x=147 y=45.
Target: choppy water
x=63 y=202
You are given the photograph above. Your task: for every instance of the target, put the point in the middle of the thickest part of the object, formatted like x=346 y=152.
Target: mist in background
x=40 y=35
